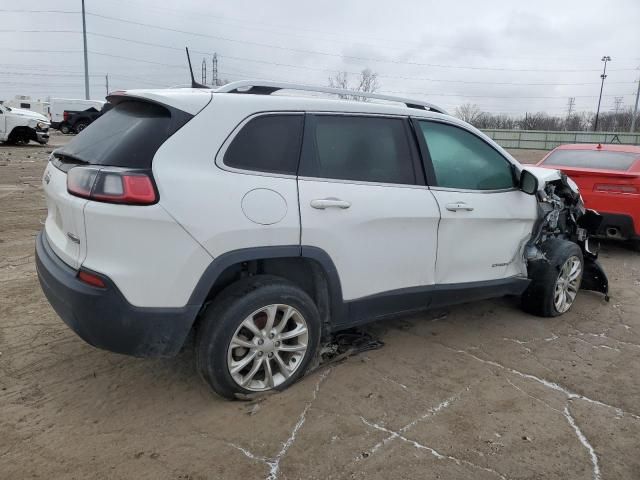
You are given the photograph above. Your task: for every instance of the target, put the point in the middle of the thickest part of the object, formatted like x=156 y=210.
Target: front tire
x=556 y=281
x=260 y=334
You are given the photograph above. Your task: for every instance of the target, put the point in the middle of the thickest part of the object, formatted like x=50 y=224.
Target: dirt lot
x=480 y=391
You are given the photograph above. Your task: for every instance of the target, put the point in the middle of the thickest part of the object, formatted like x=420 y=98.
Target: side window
x=369 y=149
x=269 y=143
x=462 y=160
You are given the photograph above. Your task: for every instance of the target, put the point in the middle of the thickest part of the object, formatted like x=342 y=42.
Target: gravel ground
x=479 y=391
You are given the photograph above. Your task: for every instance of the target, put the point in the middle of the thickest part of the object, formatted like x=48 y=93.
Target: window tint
x=269 y=143
x=592 y=159
x=367 y=149
x=462 y=160
x=128 y=135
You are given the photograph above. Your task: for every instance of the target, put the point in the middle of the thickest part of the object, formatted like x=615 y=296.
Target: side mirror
x=528 y=182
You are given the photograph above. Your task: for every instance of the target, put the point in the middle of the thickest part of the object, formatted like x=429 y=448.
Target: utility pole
x=204 y=72
x=617 y=103
x=106 y=78
x=86 y=60
x=635 y=110
x=570 y=104
x=604 y=59
x=214 y=80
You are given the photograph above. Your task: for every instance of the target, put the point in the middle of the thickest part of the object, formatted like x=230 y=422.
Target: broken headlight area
x=562 y=215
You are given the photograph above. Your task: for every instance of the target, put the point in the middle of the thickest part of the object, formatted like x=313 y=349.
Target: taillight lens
x=612 y=188
x=112 y=185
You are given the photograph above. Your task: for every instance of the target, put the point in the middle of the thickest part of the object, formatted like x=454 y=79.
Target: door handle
x=322 y=203
x=455 y=206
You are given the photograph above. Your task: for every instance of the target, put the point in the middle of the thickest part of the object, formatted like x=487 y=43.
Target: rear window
x=269 y=143
x=128 y=135
x=604 y=160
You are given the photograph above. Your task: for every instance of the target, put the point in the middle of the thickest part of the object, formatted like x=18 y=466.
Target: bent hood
x=28 y=114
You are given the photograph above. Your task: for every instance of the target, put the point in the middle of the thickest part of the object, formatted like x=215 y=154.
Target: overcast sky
x=508 y=56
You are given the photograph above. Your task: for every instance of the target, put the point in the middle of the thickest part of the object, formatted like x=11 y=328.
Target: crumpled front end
x=562 y=215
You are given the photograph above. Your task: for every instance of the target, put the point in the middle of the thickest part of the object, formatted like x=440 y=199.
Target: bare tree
x=367 y=82
x=469 y=113
x=340 y=80
x=577 y=121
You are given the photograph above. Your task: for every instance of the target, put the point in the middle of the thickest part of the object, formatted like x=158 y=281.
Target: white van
x=57 y=107
x=25 y=102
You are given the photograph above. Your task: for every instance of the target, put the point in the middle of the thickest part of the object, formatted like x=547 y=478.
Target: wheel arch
x=17 y=130
x=310 y=268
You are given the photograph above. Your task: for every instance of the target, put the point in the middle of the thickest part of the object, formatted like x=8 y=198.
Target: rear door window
x=128 y=135
x=368 y=149
x=603 y=160
x=268 y=143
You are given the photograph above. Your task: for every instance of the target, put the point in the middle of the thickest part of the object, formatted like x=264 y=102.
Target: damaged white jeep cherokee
x=263 y=222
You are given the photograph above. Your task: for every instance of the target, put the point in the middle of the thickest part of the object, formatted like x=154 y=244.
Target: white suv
x=263 y=222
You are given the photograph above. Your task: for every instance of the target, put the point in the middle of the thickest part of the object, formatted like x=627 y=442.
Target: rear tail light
x=65 y=115
x=112 y=185
x=91 y=279
x=603 y=187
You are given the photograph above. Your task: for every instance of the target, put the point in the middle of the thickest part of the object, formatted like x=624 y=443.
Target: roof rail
x=266 y=87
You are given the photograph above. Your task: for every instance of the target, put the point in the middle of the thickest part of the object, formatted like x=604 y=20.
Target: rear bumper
x=620 y=223
x=103 y=317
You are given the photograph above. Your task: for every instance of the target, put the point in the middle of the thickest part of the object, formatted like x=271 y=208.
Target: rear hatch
x=126 y=137
x=65 y=221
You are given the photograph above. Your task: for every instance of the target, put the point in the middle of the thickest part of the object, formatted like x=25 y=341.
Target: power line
x=329 y=70
x=337 y=55
x=242 y=23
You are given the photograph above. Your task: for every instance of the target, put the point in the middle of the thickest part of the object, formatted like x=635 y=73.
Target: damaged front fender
x=562 y=215
x=594 y=278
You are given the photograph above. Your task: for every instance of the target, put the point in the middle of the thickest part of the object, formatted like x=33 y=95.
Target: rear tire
x=80 y=126
x=554 y=283
x=65 y=129
x=242 y=346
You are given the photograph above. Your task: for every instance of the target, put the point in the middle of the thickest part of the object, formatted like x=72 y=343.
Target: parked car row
x=22 y=125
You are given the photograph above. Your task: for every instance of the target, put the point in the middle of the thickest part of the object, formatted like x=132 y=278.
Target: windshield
x=598 y=159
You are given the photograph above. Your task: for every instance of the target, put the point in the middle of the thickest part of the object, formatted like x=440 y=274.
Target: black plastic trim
x=103 y=317
x=224 y=261
x=416 y=299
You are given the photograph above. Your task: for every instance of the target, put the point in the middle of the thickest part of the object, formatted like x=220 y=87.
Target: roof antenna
x=194 y=84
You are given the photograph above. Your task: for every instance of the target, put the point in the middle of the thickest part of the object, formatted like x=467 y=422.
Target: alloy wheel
x=268 y=347
x=567 y=284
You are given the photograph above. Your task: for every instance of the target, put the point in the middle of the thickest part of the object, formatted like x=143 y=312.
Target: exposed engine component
x=562 y=215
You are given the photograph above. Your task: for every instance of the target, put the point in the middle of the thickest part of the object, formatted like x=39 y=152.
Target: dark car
x=75 y=122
